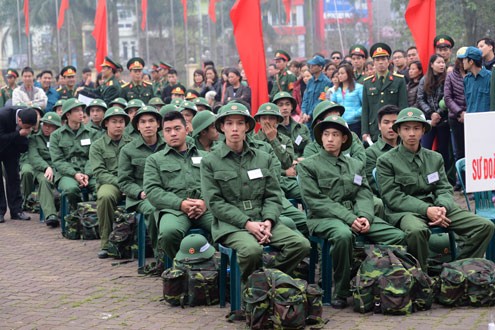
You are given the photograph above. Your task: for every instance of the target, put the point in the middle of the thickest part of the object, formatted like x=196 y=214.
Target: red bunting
x=100 y=33
x=212 y=10
x=144 y=13
x=287 y=5
x=26 y=17
x=64 y=5
x=184 y=5
x=421 y=18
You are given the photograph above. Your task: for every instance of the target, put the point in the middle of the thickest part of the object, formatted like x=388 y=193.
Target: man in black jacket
x=15 y=126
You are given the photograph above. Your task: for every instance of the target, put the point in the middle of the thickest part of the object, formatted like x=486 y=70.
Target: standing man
x=382 y=88
x=155 y=78
x=8 y=89
x=69 y=90
x=27 y=93
x=443 y=46
x=284 y=80
x=163 y=70
x=487 y=45
x=137 y=88
x=336 y=57
x=412 y=55
x=359 y=54
x=86 y=79
x=51 y=93
x=15 y=127
x=110 y=89
x=400 y=62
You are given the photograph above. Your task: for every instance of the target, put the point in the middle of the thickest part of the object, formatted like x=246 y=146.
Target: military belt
x=249 y=204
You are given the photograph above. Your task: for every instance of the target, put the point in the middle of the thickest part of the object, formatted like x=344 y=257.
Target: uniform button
x=381 y=101
x=382 y=93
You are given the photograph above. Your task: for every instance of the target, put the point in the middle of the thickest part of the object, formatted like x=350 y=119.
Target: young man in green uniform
x=103 y=157
x=173 y=185
x=96 y=111
x=418 y=195
x=44 y=171
x=241 y=190
x=339 y=201
x=358 y=54
x=131 y=109
x=7 y=90
x=137 y=88
x=69 y=90
x=69 y=150
x=110 y=89
x=284 y=80
x=205 y=133
x=443 y=46
x=384 y=87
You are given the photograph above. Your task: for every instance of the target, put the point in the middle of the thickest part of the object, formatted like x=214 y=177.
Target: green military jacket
x=299 y=135
x=132 y=159
x=199 y=146
x=356 y=150
x=283 y=82
x=133 y=133
x=171 y=177
x=359 y=77
x=39 y=153
x=104 y=159
x=69 y=150
x=238 y=188
x=143 y=92
x=159 y=86
x=66 y=93
x=5 y=95
x=412 y=182
x=372 y=154
x=376 y=95
x=99 y=130
x=282 y=146
x=334 y=188
x=108 y=91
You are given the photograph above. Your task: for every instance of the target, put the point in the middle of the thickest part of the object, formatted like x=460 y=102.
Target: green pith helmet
x=51 y=118
x=70 y=104
x=176 y=102
x=97 y=103
x=202 y=101
x=113 y=112
x=38 y=109
x=57 y=104
x=134 y=103
x=118 y=100
x=188 y=105
x=202 y=121
x=194 y=248
x=156 y=101
x=336 y=122
x=269 y=109
x=323 y=107
x=234 y=109
x=168 y=108
x=284 y=95
x=147 y=109
x=411 y=114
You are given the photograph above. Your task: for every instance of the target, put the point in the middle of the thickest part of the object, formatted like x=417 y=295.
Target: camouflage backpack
x=90 y=228
x=73 y=226
x=32 y=203
x=467 y=282
x=122 y=240
x=390 y=281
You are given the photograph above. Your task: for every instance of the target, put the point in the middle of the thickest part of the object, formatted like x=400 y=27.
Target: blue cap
x=317 y=60
x=471 y=52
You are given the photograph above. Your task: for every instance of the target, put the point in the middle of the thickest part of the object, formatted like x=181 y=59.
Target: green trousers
x=476 y=230
x=27 y=181
x=148 y=211
x=72 y=190
x=298 y=218
x=293 y=248
x=107 y=199
x=46 y=195
x=342 y=239
x=173 y=228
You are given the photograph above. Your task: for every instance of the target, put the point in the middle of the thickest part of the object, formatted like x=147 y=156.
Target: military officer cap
x=168 y=108
x=380 y=49
x=358 y=50
x=178 y=89
x=194 y=248
x=411 y=114
x=119 y=66
x=12 y=72
x=282 y=55
x=323 y=107
x=165 y=65
x=57 y=104
x=38 y=109
x=176 y=102
x=188 y=105
x=336 y=122
x=201 y=101
x=155 y=67
x=68 y=71
x=118 y=100
x=268 y=109
x=443 y=40
x=110 y=63
x=51 y=118
x=97 y=103
x=134 y=103
x=147 y=110
x=70 y=104
x=191 y=94
x=234 y=109
x=156 y=101
x=285 y=95
x=113 y=112
x=135 y=63
x=202 y=121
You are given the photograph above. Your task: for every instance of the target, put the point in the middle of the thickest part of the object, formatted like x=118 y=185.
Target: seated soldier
x=131 y=109
x=339 y=201
x=103 y=157
x=69 y=150
x=118 y=102
x=244 y=196
x=188 y=110
x=387 y=140
x=96 y=111
x=418 y=195
x=201 y=104
x=156 y=102
x=44 y=171
x=204 y=133
x=172 y=184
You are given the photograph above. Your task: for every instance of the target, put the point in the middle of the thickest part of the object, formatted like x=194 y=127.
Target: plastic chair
x=326 y=266
x=373 y=173
x=460 y=167
x=141 y=240
x=64 y=206
x=483 y=206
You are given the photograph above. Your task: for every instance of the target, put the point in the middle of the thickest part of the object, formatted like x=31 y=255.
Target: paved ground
x=48 y=282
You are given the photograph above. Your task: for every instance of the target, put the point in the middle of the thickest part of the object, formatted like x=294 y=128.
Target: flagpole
x=200 y=27
x=338 y=27
x=138 y=46
x=58 y=38
x=147 y=39
x=19 y=27
x=187 y=43
x=223 y=43
x=172 y=29
x=67 y=13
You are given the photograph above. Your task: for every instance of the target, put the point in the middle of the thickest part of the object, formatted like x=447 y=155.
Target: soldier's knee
x=343 y=238
x=252 y=253
x=418 y=233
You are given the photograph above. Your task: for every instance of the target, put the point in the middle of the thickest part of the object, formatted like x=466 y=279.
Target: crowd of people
x=349 y=138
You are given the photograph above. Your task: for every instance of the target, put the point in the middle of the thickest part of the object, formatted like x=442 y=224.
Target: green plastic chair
x=460 y=167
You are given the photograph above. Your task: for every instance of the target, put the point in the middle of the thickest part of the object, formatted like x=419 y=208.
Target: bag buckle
x=247 y=205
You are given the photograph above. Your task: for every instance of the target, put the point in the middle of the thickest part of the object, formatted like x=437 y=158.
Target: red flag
x=26 y=17
x=144 y=13
x=100 y=33
x=287 y=5
x=64 y=5
x=421 y=18
x=320 y=24
x=184 y=5
x=248 y=32
x=211 y=10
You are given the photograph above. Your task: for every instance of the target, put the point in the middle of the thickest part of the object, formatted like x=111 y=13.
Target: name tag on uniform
x=284 y=146
x=255 y=174
x=48 y=144
x=433 y=177
x=196 y=160
x=85 y=142
x=358 y=179
x=298 y=140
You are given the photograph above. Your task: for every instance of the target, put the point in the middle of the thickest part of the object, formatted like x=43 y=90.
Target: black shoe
x=2 y=219
x=339 y=303
x=20 y=216
x=103 y=254
x=52 y=221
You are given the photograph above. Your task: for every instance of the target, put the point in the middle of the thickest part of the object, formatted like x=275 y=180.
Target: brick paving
x=49 y=282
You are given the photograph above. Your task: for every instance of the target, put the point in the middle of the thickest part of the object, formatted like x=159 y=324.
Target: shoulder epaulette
x=367 y=78
x=124 y=85
x=398 y=75
x=59 y=89
x=147 y=83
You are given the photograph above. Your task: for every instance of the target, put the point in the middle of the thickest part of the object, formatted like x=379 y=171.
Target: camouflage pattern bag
x=258 y=302
x=32 y=203
x=175 y=286
x=72 y=226
x=467 y=282
x=122 y=240
x=314 y=305
x=202 y=287
x=90 y=228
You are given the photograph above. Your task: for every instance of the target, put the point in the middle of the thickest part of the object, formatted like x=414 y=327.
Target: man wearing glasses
x=336 y=57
